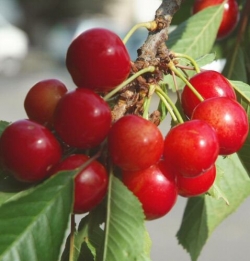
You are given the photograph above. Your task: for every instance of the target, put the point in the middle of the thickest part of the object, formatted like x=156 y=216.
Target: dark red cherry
x=82 y=118
x=29 y=150
x=98 y=59
x=90 y=183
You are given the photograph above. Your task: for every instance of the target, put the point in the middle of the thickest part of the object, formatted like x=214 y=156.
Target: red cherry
x=134 y=143
x=190 y=187
x=230 y=15
x=209 y=84
x=155 y=189
x=90 y=184
x=82 y=118
x=41 y=100
x=229 y=120
x=28 y=150
x=191 y=147
x=98 y=59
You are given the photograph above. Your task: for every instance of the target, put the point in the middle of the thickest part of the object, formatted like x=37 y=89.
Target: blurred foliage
x=235 y=47
x=48 y=13
x=55 y=10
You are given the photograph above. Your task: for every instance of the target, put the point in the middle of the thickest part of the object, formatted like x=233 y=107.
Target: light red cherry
x=155 y=189
x=208 y=84
x=229 y=120
x=191 y=147
x=134 y=143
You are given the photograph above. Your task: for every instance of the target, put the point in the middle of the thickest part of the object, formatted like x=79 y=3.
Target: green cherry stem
x=193 y=62
x=172 y=67
x=72 y=237
x=147 y=101
x=149 y=25
x=129 y=80
x=176 y=116
x=72 y=219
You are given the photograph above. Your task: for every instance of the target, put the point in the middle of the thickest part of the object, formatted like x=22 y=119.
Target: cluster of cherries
x=64 y=128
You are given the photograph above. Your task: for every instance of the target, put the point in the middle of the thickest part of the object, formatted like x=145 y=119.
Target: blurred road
x=229 y=242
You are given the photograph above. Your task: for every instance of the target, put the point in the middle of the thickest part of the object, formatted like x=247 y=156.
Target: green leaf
x=203 y=214
x=33 y=226
x=196 y=36
x=88 y=238
x=183 y=13
x=235 y=68
x=161 y=106
x=243 y=95
x=215 y=190
x=9 y=184
x=205 y=59
x=124 y=230
x=4 y=197
x=10 y=188
x=3 y=125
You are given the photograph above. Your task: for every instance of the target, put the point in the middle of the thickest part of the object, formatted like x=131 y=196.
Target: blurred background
x=34 y=37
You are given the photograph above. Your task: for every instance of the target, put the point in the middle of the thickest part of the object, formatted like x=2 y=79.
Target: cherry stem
x=147 y=101
x=108 y=209
x=129 y=80
x=176 y=116
x=72 y=223
x=172 y=67
x=176 y=85
x=185 y=67
x=193 y=62
x=72 y=237
x=149 y=25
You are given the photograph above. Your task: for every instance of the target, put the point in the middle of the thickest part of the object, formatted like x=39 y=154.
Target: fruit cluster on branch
x=153 y=52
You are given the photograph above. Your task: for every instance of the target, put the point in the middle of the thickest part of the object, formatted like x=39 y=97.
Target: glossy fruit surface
x=28 y=150
x=154 y=188
x=230 y=14
x=209 y=84
x=134 y=143
x=229 y=120
x=191 y=148
x=41 y=100
x=190 y=187
x=82 y=118
x=90 y=184
x=98 y=59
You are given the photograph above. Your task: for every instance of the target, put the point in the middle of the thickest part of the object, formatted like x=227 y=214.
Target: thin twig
x=72 y=237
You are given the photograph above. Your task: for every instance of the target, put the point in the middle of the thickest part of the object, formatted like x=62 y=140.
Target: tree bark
x=153 y=52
